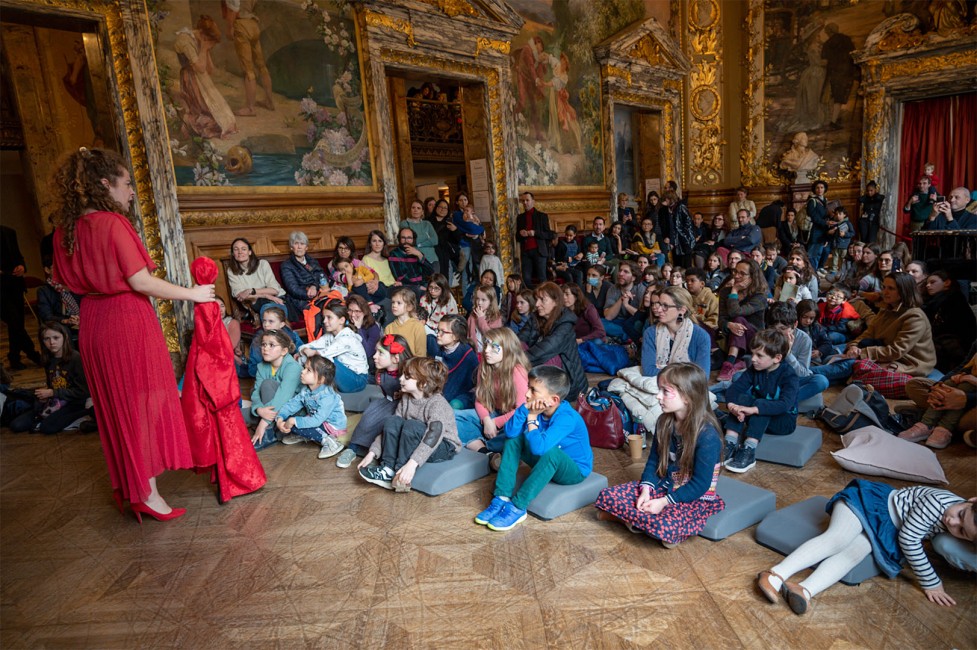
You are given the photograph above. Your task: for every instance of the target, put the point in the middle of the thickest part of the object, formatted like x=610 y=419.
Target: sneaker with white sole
x=743 y=460
x=940 y=438
x=729 y=450
x=508 y=518
x=346 y=458
x=377 y=475
x=330 y=447
x=292 y=439
x=494 y=508
x=916 y=433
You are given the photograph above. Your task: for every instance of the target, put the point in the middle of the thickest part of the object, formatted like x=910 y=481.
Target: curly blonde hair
x=78 y=186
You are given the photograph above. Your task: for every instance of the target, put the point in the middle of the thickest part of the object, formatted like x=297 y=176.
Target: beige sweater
x=707 y=307
x=907 y=341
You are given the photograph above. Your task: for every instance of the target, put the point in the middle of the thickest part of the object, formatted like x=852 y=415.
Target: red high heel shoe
x=140 y=509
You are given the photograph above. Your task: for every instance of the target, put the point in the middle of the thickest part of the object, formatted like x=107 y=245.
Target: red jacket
x=833 y=318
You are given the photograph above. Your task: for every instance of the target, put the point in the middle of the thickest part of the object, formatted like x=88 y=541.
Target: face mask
x=593 y=281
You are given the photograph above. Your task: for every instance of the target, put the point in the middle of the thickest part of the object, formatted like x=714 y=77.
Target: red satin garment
x=219 y=439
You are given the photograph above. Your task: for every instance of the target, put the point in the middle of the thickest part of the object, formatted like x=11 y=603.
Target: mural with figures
x=813 y=107
x=261 y=93
x=556 y=85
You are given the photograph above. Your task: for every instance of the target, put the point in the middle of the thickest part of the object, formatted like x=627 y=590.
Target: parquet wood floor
x=321 y=559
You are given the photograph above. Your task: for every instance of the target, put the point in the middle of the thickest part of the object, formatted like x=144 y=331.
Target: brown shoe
x=763 y=584
x=797 y=596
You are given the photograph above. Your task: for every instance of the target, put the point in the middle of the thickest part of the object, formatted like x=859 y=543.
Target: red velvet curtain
x=943 y=131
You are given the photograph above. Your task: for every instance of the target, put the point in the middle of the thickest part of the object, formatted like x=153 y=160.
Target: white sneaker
x=346 y=458
x=330 y=447
x=292 y=439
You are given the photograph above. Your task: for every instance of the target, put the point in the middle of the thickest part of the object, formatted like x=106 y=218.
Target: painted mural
x=261 y=93
x=557 y=87
x=813 y=107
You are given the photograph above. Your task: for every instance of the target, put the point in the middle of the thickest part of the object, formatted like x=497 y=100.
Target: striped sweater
x=917 y=513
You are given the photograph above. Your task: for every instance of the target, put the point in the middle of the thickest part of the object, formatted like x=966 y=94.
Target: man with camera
x=950 y=212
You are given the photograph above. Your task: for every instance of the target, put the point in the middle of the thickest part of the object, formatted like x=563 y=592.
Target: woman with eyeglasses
x=742 y=302
x=676 y=336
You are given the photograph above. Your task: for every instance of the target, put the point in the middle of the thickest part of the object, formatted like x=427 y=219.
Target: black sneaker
x=743 y=460
x=729 y=450
x=382 y=476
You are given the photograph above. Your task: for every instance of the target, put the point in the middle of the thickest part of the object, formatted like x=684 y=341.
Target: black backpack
x=859 y=406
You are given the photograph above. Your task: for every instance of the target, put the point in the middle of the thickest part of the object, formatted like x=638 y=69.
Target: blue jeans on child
x=348 y=381
x=470 y=428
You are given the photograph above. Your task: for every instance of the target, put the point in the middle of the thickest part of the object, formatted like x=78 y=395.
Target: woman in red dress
x=97 y=253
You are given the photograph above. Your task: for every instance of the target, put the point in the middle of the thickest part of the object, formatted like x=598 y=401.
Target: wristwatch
x=536 y=422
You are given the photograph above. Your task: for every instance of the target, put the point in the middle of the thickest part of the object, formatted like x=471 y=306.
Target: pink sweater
x=520 y=377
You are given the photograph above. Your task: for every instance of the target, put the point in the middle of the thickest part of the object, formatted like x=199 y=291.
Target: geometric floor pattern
x=319 y=558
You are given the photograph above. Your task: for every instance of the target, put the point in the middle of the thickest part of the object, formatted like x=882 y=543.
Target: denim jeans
x=348 y=381
x=470 y=428
x=836 y=372
x=810 y=386
x=957 y=552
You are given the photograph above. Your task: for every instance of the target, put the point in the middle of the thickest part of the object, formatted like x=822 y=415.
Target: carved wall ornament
x=376 y=19
x=452 y=8
x=482 y=44
x=705 y=91
x=618 y=72
x=203 y=219
x=648 y=49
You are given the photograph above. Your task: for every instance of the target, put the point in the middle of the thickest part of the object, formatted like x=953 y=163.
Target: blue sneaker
x=508 y=518
x=494 y=508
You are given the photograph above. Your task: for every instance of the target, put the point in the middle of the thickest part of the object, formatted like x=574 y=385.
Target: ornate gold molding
x=615 y=71
x=648 y=49
x=375 y=19
x=556 y=207
x=754 y=168
x=490 y=75
x=482 y=44
x=202 y=219
x=705 y=103
x=911 y=67
x=452 y=8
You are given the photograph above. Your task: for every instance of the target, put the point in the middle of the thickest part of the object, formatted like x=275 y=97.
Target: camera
x=940 y=199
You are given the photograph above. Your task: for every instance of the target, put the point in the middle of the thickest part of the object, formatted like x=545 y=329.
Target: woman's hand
x=311 y=291
x=43 y=393
x=244 y=295
x=366 y=460
x=202 y=293
x=939 y=596
x=736 y=329
x=276 y=300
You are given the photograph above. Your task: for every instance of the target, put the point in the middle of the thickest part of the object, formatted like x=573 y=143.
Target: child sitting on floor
x=549 y=436
x=874 y=518
x=762 y=400
x=807 y=322
x=677 y=492
x=403 y=307
x=835 y=312
x=422 y=429
x=391 y=352
x=276 y=382
x=461 y=360
x=325 y=417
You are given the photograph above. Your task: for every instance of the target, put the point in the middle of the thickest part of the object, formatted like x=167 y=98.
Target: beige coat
x=707 y=307
x=908 y=341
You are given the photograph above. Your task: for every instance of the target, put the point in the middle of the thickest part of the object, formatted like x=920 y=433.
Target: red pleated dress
x=124 y=354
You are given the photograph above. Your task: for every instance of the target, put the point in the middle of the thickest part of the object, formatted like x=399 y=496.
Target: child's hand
x=280 y=423
x=489 y=428
x=266 y=413
x=43 y=393
x=259 y=432
x=939 y=596
x=644 y=496
x=366 y=460
x=536 y=407
x=406 y=473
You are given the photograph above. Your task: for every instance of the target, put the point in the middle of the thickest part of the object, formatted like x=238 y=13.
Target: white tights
x=839 y=549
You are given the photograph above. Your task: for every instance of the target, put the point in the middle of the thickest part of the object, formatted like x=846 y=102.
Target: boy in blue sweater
x=550 y=437
x=762 y=400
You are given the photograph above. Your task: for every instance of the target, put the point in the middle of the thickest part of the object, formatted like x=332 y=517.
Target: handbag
x=604 y=423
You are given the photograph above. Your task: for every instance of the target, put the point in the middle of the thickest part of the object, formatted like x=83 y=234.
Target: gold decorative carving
x=109 y=12
x=555 y=207
x=482 y=43
x=647 y=48
x=257 y=217
x=490 y=76
x=668 y=126
x=900 y=41
x=754 y=166
x=452 y=8
x=375 y=19
x=911 y=67
x=705 y=127
x=672 y=84
x=614 y=71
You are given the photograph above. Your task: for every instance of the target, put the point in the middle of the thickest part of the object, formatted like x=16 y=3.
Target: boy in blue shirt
x=550 y=437
x=761 y=400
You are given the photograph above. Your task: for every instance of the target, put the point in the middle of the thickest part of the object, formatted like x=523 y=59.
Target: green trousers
x=553 y=466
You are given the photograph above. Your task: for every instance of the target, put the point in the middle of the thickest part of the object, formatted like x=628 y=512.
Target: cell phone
x=940 y=199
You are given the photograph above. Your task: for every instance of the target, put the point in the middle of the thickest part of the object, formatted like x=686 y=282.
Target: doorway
x=637 y=152
x=440 y=127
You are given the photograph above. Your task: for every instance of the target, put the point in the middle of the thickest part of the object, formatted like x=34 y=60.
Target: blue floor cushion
x=745 y=505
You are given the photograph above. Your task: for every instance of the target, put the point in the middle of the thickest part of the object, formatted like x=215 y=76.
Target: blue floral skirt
x=675 y=524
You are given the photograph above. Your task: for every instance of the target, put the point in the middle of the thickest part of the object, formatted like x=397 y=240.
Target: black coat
x=562 y=342
x=541 y=227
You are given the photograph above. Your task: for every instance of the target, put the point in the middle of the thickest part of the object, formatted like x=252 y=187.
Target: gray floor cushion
x=794 y=449
x=356 y=402
x=433 y=479
x=786 y=529
x=745 y=505
x=557 y=500
x=811 y=404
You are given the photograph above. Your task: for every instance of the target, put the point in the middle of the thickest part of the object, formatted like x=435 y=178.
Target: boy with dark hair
x=549 y=436
x=834 y=314
x=272 y=318
x=705 y=301
x=782 y=316
x=761 y=400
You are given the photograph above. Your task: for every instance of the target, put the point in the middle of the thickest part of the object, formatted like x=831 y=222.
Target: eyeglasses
x=663 y=305
x=496 y=346
x=445 y=332
x=740 y=273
